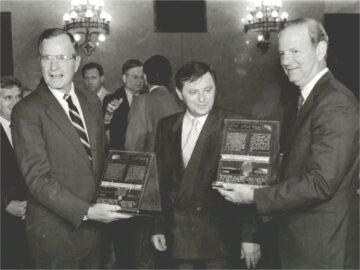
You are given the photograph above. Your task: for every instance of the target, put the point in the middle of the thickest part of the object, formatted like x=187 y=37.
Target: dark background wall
x=250 y=82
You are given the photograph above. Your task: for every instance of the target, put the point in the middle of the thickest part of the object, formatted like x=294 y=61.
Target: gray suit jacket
x=144 y=115
x=318 y=178
x=61 y=180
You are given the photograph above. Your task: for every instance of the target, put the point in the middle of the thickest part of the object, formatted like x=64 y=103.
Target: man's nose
x=201 y=97
x=285 y=59
x=53 y=64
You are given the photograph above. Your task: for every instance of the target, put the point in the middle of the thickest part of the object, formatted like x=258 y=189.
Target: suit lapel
x=58 y=116
x=175 y=148
x=90 y=120
x=307 y=107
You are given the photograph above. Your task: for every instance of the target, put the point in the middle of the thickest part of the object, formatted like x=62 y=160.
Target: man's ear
x=102 y=78
x=77 y=62
x=124 y=78
x=179 y=94
x=321 y=50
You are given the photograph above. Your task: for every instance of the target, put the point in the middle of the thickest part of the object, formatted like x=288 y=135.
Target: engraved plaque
x=249 y=151
x=128 y=179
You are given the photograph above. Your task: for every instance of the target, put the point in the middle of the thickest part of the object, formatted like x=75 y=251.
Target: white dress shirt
x=186 y=126
x=305 y=92
x=6 y=125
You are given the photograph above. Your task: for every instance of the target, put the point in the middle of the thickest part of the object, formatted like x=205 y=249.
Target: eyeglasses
x=60 y=57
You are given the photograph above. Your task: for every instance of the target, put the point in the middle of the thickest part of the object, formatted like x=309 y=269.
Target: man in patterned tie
x=198 y=225
x=59 y=141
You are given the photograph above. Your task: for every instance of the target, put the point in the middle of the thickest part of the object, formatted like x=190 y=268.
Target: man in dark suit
x=199 y=225
x=116 y=106
x=59 y=141
x=319 y=173
x=14 y=251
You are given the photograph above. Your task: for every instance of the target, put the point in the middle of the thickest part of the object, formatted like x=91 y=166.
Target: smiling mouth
x=56 y=76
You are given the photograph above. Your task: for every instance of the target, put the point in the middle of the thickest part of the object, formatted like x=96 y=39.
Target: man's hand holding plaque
x=237 y=193
x=105 y=213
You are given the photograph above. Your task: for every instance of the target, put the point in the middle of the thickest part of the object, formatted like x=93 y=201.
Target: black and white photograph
x=246 y=111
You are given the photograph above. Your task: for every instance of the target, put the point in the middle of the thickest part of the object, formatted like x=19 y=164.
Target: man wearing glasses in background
x=59 y=140
x=116 y=106
x=116 y=109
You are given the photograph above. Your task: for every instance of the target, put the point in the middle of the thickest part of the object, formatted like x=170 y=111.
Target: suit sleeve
x=31 y=151
x=159 y=222
x=137 y=128
x=333 y=148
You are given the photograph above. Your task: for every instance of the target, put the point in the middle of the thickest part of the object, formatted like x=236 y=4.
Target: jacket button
x=199 y=208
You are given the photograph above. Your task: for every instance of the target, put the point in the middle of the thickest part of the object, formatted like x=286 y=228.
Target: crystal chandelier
x=265 y=18
x=88 y=23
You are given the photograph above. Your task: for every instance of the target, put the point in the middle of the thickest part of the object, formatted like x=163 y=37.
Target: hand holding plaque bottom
x=105 y=213
x=238 y=193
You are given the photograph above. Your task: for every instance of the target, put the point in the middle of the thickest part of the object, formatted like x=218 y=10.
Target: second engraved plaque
x=248 y=152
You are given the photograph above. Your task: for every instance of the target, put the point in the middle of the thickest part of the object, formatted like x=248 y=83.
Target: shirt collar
x=4 y=122
x=305 y=92
x=60 y=94
x=152 y=88
x=201 y=119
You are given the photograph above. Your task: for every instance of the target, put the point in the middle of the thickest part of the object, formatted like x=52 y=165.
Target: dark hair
x=92 y=65
x=9 y=82
x=54 y=32
x=316 y=30
x=158 y=70
x=192 y=71
x=131 y=63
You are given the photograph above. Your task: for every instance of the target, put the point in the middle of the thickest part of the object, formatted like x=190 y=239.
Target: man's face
x=134 y=79
x=199 y=95
x=299 y=58
x=93 y=80
x=8 y=98
x=58 y=74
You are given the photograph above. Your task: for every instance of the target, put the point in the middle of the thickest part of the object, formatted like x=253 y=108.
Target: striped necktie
x=300 y=102
x=78 y=125
x=191 y=141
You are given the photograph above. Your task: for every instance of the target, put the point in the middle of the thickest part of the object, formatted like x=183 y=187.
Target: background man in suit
x=144 y=115
x=116 y=106
x=198 y=223
x=148 y=109
x=59 y=141
x=93 y=75
x=319 y=174
x=14 y=251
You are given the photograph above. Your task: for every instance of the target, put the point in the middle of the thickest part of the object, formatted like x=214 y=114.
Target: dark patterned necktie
x=300 y=102
x=78 y=125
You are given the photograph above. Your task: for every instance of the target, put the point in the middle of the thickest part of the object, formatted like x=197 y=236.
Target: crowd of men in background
x=55 y=140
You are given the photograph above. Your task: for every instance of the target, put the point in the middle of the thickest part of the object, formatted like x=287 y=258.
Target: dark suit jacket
x=318 y=177
x=119 y=122
x=198 y=221
x=13 y=241
x=144 y=115
x=61 y=180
